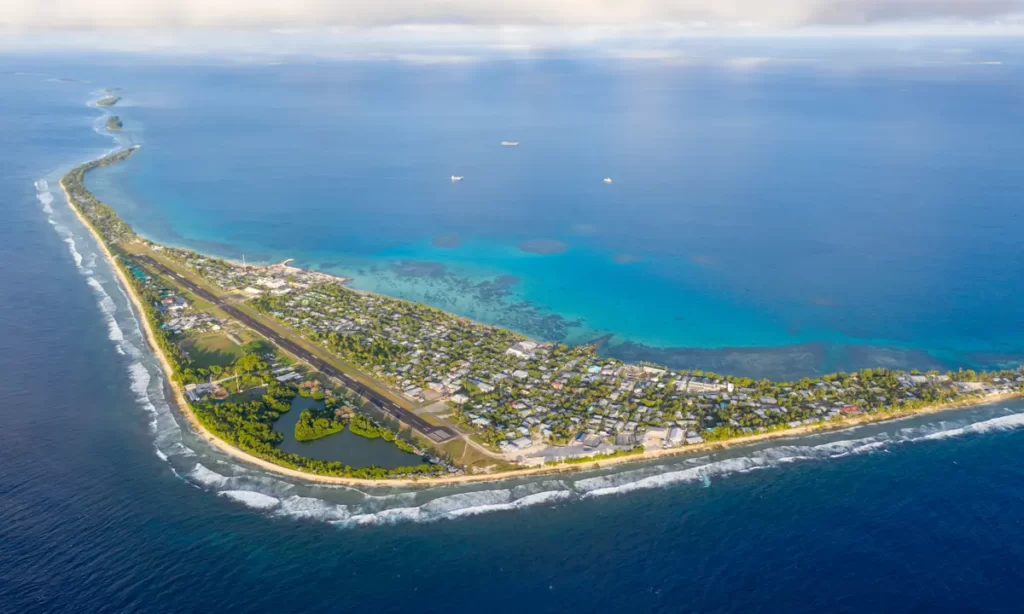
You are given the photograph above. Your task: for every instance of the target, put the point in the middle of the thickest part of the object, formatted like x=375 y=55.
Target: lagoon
x=780 y=221
x=344 y=447
x=109 y=505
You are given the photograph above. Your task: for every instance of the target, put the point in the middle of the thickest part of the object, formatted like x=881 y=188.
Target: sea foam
x=251 y=499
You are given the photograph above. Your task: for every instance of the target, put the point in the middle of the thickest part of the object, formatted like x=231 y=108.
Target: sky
x=569 y=13
x=459 y=28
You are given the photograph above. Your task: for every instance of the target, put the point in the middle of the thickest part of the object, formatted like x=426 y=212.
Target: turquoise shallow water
x=764 y=209
x=109 y=504
x=777 y=221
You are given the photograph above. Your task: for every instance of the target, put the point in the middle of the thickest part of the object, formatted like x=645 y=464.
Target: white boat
x=510 y=143
x=607 y=179
x=454 y=178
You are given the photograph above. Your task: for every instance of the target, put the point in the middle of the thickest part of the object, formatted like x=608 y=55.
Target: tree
x=249 y=363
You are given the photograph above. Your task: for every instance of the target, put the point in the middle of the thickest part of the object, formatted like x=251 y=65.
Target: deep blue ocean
x=870 y=212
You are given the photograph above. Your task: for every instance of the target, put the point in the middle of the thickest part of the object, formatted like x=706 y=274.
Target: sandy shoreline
x=179 y=399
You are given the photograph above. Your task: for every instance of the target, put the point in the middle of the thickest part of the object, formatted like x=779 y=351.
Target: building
x=675 y=435
x=697 y=385
x=522 y=443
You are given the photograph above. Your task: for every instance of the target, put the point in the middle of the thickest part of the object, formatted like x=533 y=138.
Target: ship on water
x=510 y=143
x=456 y=178
x=607 y=179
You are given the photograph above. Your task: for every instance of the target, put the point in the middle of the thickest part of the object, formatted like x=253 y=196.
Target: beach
x=113 y=501
x=702 y=448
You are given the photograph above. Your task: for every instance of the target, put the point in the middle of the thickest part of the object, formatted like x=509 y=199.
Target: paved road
x=439 y=434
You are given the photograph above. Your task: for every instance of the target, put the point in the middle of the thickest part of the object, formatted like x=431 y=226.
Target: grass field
x=214 y=348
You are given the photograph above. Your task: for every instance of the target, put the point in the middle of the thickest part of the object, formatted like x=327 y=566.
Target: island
x=314 y=424
x=108 y=101
x=114 y=123
x=476 y=402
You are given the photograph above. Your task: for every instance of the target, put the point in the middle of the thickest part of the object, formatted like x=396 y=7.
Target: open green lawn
x=212 y=348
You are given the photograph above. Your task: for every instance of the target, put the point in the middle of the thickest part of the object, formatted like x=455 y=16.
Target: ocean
x=110 y=505
x=775 y=220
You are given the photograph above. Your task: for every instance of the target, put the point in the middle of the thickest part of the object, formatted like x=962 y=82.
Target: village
x=249 y=280
x=542 y=403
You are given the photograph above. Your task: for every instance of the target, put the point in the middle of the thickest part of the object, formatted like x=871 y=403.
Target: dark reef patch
x=994 y=360
x=871 y=356
x=544 y=246
x=496 y=290
x=784 y=363
x=489 y=300
x=419 y=268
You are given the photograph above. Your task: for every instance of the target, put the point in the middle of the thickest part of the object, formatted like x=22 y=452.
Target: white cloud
x=287 y=14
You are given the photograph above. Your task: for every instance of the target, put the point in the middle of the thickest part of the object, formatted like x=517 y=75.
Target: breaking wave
x=44 y=196
x=251 y=499
x=1002 y=423
x=197 y=463
x=444 y=503
x=123 y=330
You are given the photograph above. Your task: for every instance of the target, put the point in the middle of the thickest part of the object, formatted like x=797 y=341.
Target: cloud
x=183 y=14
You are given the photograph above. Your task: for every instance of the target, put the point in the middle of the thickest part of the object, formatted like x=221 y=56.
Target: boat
x=455 y=178
x=510 y=143
x=607 y=179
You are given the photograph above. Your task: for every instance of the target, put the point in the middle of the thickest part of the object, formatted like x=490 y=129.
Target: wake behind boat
x=456 y=178
x=510 y=143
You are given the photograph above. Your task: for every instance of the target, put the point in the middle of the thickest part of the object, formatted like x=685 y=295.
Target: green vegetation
x=317 y=423
x=365 y=427
x=506 y=388
x=114 y=123
x=246 y=419
x=248 y=425
x=212 y=349
x=108 y=101
x=373 y=331
x=106 y=222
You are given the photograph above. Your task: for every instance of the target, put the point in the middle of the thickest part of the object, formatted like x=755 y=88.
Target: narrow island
x=108 y=101
x=114 y=123
x=476 y=402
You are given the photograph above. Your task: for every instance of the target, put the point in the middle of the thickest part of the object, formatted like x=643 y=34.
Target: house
x=172 y=303
x=195 y=392
x=675 y=435
x=523 y=349
x=522 y=443
x=459 y=399
x=697 y=385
